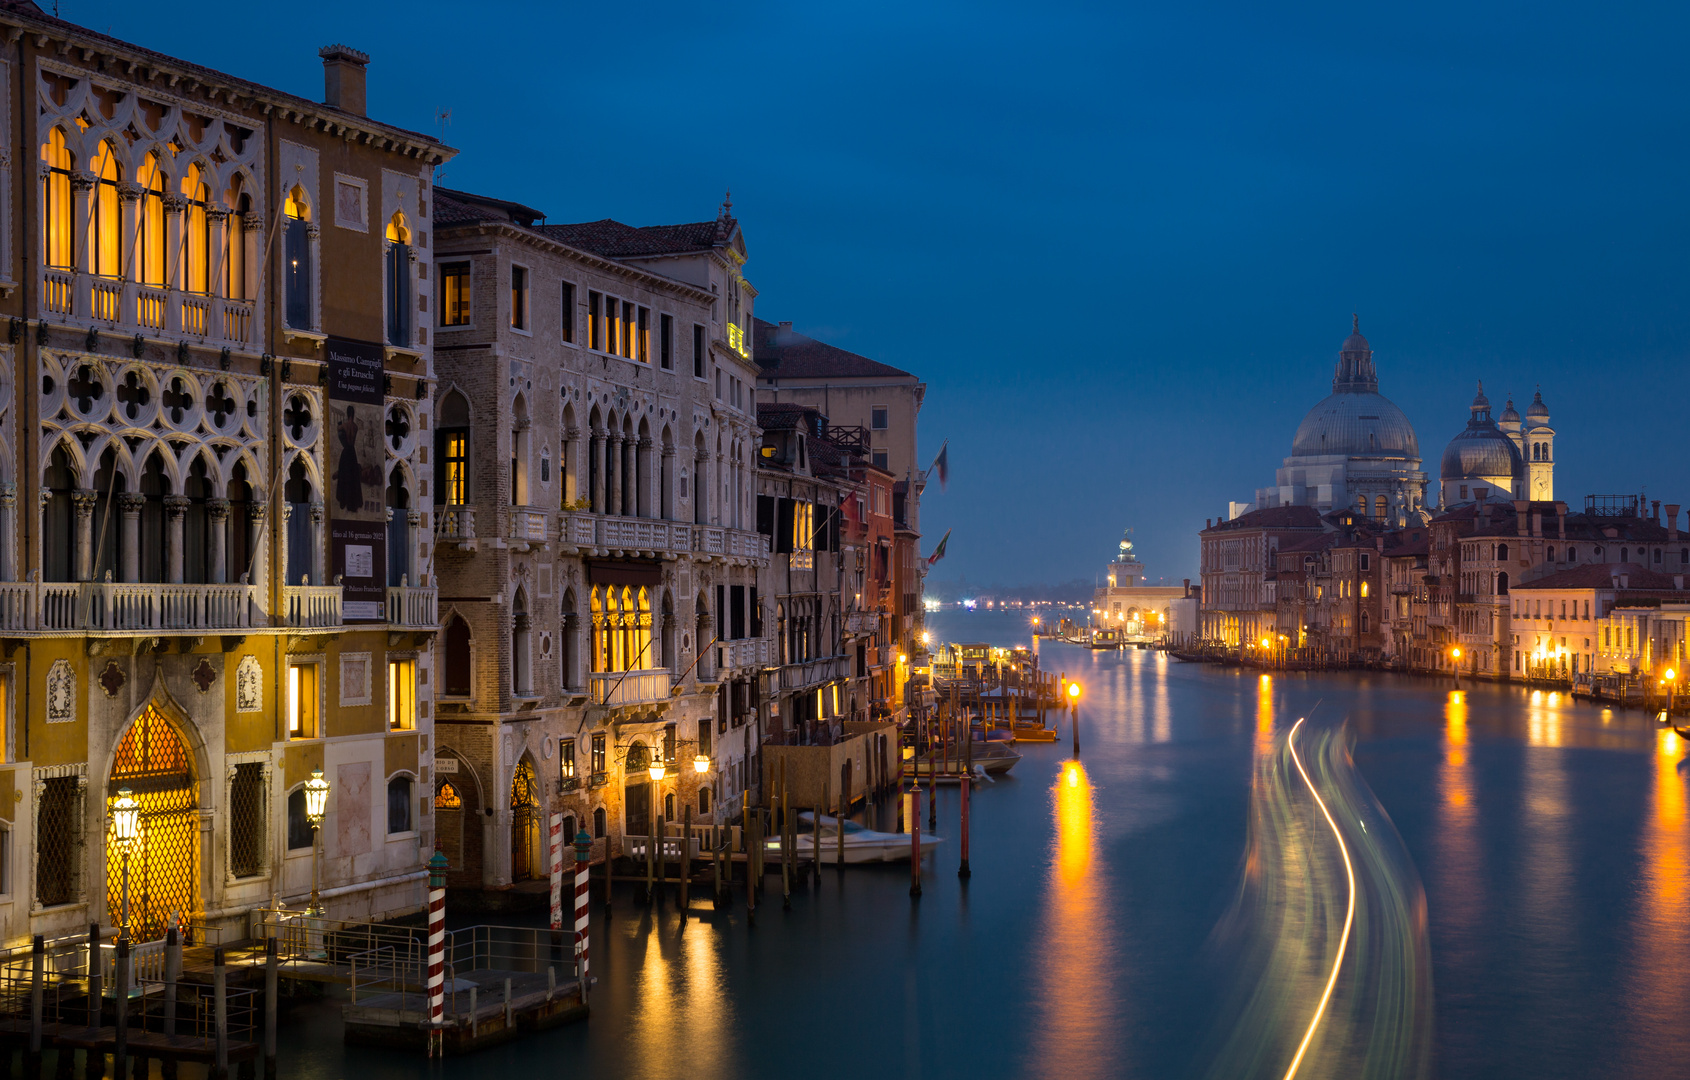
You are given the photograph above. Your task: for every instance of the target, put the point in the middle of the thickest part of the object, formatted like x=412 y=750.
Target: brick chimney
x=1537 y=522
x=1672 y=522
x=343 y=78
x=1655 y=511
x=786 y=327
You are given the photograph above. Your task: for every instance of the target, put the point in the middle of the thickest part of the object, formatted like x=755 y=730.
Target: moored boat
x=862 y=845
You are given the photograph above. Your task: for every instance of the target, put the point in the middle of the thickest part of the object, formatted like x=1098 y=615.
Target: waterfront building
x=214 y=374
x=1354 y=451
x=854 y=391
x=1238 y=561
x=1127 y=604
x=596 y=551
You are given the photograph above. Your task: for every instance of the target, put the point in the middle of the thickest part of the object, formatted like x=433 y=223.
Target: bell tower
x=1539 y=451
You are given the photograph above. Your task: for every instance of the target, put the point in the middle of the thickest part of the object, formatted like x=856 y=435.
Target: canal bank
x=1550 y=837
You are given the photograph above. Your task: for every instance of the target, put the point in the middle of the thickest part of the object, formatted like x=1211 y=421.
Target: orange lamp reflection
x=1074 y=1039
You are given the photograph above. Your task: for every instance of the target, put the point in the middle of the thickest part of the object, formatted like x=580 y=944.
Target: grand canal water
x=1169 y=906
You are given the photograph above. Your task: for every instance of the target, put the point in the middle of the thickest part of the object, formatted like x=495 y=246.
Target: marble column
x=130 y=504
x=282 y=566
x=319 y=554
x=175 y=509
x=256 y=547
x=8 y=532
x=217 y=511
x=83 y=501
x=613 y=477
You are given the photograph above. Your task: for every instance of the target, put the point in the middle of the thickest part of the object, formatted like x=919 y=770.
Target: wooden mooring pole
x=37 y=991
x=753 y=831
x=686 y=858
x=172 y=976
x=963 y=871
x=220 y=1002
x=915 y=837
x=271 y=971
x=120 y=1051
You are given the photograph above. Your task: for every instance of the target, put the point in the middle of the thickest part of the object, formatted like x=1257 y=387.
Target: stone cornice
x=545 y=243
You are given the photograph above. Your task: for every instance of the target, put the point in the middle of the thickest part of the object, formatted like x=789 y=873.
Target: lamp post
x=1671 y=686
x=1455 y=655
x=316 y=801
x=1074 y=721
x=126 y=830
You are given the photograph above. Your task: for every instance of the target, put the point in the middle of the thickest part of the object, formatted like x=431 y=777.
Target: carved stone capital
x=131 y=503
x=287 y=511
x=43 y=169
x=8 y=495
x=176 y=505
x=318 y=513
x=413 y=518
x=644 y=442
x=174 y=202
x=83 y=500
x=313 y=230
x=128 y=191
x=217 y=508
x=252 y=220
x=257 y=512
x=571 y=434
x=46 y=497
x=523 y=423
x=82 y=181
x=216 y=215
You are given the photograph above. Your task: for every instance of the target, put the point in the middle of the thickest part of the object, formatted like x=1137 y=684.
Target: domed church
x=1509 y=458
x=1354 y=450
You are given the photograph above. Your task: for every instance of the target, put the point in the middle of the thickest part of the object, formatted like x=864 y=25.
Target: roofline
x=156 y=64
x=540 y=240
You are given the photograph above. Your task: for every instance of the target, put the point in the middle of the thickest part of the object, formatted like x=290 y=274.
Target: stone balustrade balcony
x=414 y=606
x=614 y=688
x=744 y=653
x=311 y=606
x=808 y=674
x=125 y=607
x=74 y=298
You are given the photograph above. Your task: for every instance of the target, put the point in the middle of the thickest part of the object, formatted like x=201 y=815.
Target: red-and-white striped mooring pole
x=556 y=866
x=583 y=852
x=436 y=953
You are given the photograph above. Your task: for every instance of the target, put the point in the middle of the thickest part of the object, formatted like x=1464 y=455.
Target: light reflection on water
x=1077 y=1022
x=1551 y=836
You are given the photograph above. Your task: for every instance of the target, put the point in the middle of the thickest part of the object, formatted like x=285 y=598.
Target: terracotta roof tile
x=614 y=240
x=1601 y=576
x=783 y=353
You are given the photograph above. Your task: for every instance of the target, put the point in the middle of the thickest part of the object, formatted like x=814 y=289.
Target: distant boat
x=993 y=757
x=1034 y=733
x=862 y=845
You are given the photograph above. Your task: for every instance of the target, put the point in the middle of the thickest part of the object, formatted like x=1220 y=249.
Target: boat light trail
x=1349 y=915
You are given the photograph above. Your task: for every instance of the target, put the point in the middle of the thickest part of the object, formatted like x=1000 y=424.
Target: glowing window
x=58 y=243
x=447 y=798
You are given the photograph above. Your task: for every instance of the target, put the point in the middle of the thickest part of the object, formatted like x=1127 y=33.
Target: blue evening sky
x=1120 y=242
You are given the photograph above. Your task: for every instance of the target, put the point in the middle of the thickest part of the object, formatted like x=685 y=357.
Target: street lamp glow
x=316 y=797
x=926 y=637
x=126 y=818
x=657 y=770
x=701 y=764
x=1074 y=690
x=1456 y=652
x=1671 y=675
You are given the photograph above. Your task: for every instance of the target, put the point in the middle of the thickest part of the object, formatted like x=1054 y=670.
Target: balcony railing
x=91 y=299
x=862 y=622
x=120 y=607
x=311 y=606
x=528 y=524
x=645 y=534
x=457 y=523
x=811 y=673
x=413 y=605
x=745 y=653
x=630 y=687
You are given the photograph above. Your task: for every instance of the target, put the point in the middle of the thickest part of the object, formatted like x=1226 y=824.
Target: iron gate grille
x=525 y=822
x=153 y=763
x=58 y=841
x=246 y=820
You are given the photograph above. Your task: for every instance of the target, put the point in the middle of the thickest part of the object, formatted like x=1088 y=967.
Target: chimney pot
x=1672 y=522
x=343 y=78
x=1625 y=581
x=786 y=326
x=1655 y=511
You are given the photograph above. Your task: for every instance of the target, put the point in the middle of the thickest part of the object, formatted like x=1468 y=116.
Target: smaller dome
x=1509 y=416
x=1481 y=454
x=1537 y=411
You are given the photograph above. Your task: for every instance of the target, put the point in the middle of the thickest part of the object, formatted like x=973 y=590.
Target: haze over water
x=1107 y=930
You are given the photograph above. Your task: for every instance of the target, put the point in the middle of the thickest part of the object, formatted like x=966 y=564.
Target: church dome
x=1356 y=425
x=1537 y=412
x=1355 y=420
x=1509 y=416
x=1482 y=451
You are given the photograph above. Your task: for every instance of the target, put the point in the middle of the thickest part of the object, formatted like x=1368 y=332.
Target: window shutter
x=833 y=516
x=818 y=527
x=766 y=514
x=756 y=615
x=783 y=526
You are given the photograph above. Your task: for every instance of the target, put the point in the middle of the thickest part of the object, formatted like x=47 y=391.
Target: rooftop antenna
x=442 y=120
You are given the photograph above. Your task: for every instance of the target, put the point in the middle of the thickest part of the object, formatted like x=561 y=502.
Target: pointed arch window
x=234 y=241
x=58 y=239
x=398 y=268
x=149 y=262
x=106 y=215
x=196 y=233
x=296 y=259
x=451 y=450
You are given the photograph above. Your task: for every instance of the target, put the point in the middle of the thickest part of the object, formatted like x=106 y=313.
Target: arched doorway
x=525 y=822
x=154 y=763
x=636 y=791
